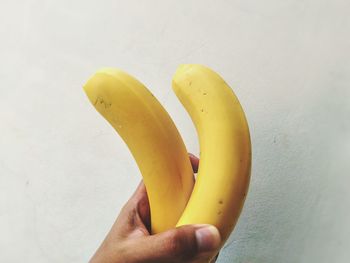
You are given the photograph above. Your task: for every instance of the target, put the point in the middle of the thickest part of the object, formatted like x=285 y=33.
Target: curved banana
x=152 y=138
x=225 y=149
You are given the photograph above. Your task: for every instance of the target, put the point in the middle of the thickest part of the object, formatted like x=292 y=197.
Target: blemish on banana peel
x=219 y=212
x=102 y=101
x=221 y=202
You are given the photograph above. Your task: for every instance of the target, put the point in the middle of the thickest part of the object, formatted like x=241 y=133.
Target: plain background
x=65 y=173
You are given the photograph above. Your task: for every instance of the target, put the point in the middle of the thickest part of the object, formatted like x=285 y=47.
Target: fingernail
x=208 y=238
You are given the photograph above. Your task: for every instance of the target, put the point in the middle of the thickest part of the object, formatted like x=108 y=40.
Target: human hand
x=129 y=239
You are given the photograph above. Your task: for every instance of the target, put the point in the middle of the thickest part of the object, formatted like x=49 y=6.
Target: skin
x=130 y=241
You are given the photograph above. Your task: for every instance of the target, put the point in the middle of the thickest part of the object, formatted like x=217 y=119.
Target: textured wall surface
x=64 y=173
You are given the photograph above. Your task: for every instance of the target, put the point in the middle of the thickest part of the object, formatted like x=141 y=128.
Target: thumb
x=181 y=244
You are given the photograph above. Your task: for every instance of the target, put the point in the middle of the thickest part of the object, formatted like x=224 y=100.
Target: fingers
x=194 y=162
x=143 y=210
x=183 y=244
x=135 y=214
x=139 y=202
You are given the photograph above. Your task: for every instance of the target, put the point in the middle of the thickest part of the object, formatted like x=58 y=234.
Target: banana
x=225 y=149
x=152 y=138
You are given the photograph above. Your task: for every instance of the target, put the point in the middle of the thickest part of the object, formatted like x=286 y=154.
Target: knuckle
x=129 y=213
x=132 y=218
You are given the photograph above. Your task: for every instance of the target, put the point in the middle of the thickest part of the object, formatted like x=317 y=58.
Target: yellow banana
x=225 y=148
x=152 y=138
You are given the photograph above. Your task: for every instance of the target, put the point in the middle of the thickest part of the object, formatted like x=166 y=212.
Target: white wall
x=64 y=173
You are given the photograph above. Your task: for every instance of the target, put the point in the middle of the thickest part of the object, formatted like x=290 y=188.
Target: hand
x=129 y=240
